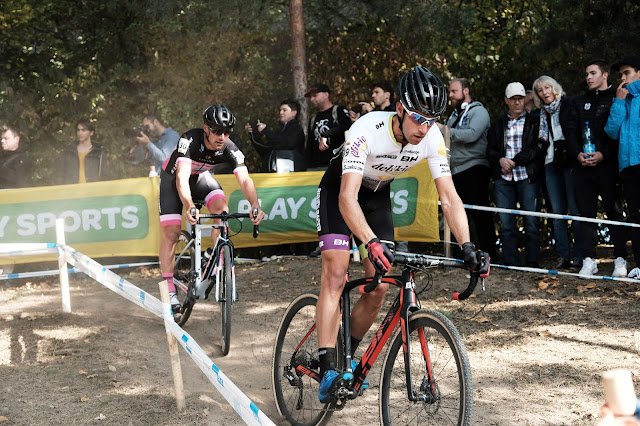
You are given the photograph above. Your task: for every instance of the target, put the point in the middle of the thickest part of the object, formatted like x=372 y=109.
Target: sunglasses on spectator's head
x=421 y=119
x=218 y=131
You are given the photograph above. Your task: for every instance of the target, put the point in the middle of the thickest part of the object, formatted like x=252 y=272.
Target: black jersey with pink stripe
x=191 y=149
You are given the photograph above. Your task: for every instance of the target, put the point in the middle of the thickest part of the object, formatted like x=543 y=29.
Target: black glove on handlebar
x=475 y=260
x=380 y=256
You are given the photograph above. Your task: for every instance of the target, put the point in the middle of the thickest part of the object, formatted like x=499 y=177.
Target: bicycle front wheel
x=295 y=362
x=440 y=373
x=226 y=296
x=182 y=271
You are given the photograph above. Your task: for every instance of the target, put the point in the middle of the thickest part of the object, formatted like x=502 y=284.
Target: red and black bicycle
x=426 y=377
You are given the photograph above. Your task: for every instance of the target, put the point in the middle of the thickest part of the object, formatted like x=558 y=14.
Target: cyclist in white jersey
x=354 y=198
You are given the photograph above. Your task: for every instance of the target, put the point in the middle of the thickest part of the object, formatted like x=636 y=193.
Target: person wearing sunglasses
x=187 y=175
x=354 y=198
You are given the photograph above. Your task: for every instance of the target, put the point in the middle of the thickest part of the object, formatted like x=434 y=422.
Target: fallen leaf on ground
x=3 y=419
x=112 y=368
x=84 y=399
x=552 y=314
x=482 y=319
x=543 y=333
x=82 y=372
x=281 y=269
x=100 y=417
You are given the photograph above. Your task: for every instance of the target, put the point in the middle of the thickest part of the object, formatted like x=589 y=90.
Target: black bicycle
x=426 y=377
x=195 y=274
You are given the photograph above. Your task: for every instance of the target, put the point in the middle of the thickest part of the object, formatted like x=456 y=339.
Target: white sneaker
x=619 y=268
x=173 y=299
x=635 y=273
x=589 y=267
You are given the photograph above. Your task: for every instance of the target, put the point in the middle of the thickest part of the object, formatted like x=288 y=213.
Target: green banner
x=86 y=220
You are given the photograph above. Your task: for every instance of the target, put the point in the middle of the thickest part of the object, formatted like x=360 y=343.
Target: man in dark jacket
x=595 y=174
x=326 y=128
x=14 y=163
x=516 y=156
x=286 y=143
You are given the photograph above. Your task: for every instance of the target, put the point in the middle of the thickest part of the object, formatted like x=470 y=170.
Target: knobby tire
x=183 y=266
x=452 y=401
x=226 y=299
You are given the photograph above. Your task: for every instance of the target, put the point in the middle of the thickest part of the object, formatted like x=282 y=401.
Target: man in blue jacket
x=624 y=124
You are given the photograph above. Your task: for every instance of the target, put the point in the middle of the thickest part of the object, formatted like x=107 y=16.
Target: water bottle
x=152 y=172
x=205 y=258
x=588 y=147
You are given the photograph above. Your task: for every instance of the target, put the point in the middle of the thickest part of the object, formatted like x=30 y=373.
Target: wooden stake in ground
x=176 y=369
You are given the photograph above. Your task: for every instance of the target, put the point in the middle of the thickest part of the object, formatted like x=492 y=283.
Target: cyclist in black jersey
x=354 y=197
x=186 y=175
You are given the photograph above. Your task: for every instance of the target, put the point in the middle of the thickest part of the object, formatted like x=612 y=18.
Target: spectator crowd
x=575 y=154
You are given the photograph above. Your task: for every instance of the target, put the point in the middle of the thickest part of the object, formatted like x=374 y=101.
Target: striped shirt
x=513 y=142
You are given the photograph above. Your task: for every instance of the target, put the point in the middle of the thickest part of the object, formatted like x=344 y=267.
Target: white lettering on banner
x=279 y=209
x=3 y=223
x=25 y=225
x=90 y=219
x=130 y=218
x=295 y=206
x=111 y=216
x=400 y=201
x=76 y=221
x=46 y=221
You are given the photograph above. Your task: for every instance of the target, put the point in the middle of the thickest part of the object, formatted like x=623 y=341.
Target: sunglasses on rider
x=421 y=119
x=218 y=131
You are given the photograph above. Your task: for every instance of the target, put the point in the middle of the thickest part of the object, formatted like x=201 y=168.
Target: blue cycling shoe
x=327 y=381
x=365 y=384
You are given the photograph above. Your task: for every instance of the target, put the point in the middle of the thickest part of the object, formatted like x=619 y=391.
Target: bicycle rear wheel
x=226 y=296
x=182 y=271
x=446 y=399
x=295 y=361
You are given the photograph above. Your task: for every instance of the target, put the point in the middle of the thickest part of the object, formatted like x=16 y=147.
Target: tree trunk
x=299 y=60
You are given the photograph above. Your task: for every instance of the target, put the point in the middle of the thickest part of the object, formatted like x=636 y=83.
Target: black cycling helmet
x=219 y=116
x=422 y=91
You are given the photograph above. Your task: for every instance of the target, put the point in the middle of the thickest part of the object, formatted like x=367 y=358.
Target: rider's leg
x=170 y=236
x=366 y=310
x=335 y=262
x=334 y=270
x=216 y=203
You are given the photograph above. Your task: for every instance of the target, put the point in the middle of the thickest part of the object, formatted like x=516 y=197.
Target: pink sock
x=170 y=285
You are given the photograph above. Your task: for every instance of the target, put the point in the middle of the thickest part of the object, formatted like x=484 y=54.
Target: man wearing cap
x=595 y=174
x=326 y=128
x=624 y=125
x=516 y=156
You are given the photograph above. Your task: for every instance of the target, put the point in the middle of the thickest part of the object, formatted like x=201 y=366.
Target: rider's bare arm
x=249 y=191
x=453 y=209
x=350 y=209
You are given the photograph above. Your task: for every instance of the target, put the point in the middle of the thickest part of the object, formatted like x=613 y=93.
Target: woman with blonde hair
x=554 y=105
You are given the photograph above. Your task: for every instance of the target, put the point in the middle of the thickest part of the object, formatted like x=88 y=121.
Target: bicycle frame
x=201 y=290
x=405 y=303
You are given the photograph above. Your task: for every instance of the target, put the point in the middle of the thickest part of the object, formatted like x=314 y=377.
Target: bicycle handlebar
x=225 y=216
x=425 y=261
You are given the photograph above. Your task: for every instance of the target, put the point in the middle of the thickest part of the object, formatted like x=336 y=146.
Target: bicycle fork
x=409 y=304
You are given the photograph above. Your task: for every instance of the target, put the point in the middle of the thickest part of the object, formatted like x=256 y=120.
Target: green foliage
x=115 y=60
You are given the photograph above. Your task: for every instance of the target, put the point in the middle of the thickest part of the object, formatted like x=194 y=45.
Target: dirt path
x=537 y=348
